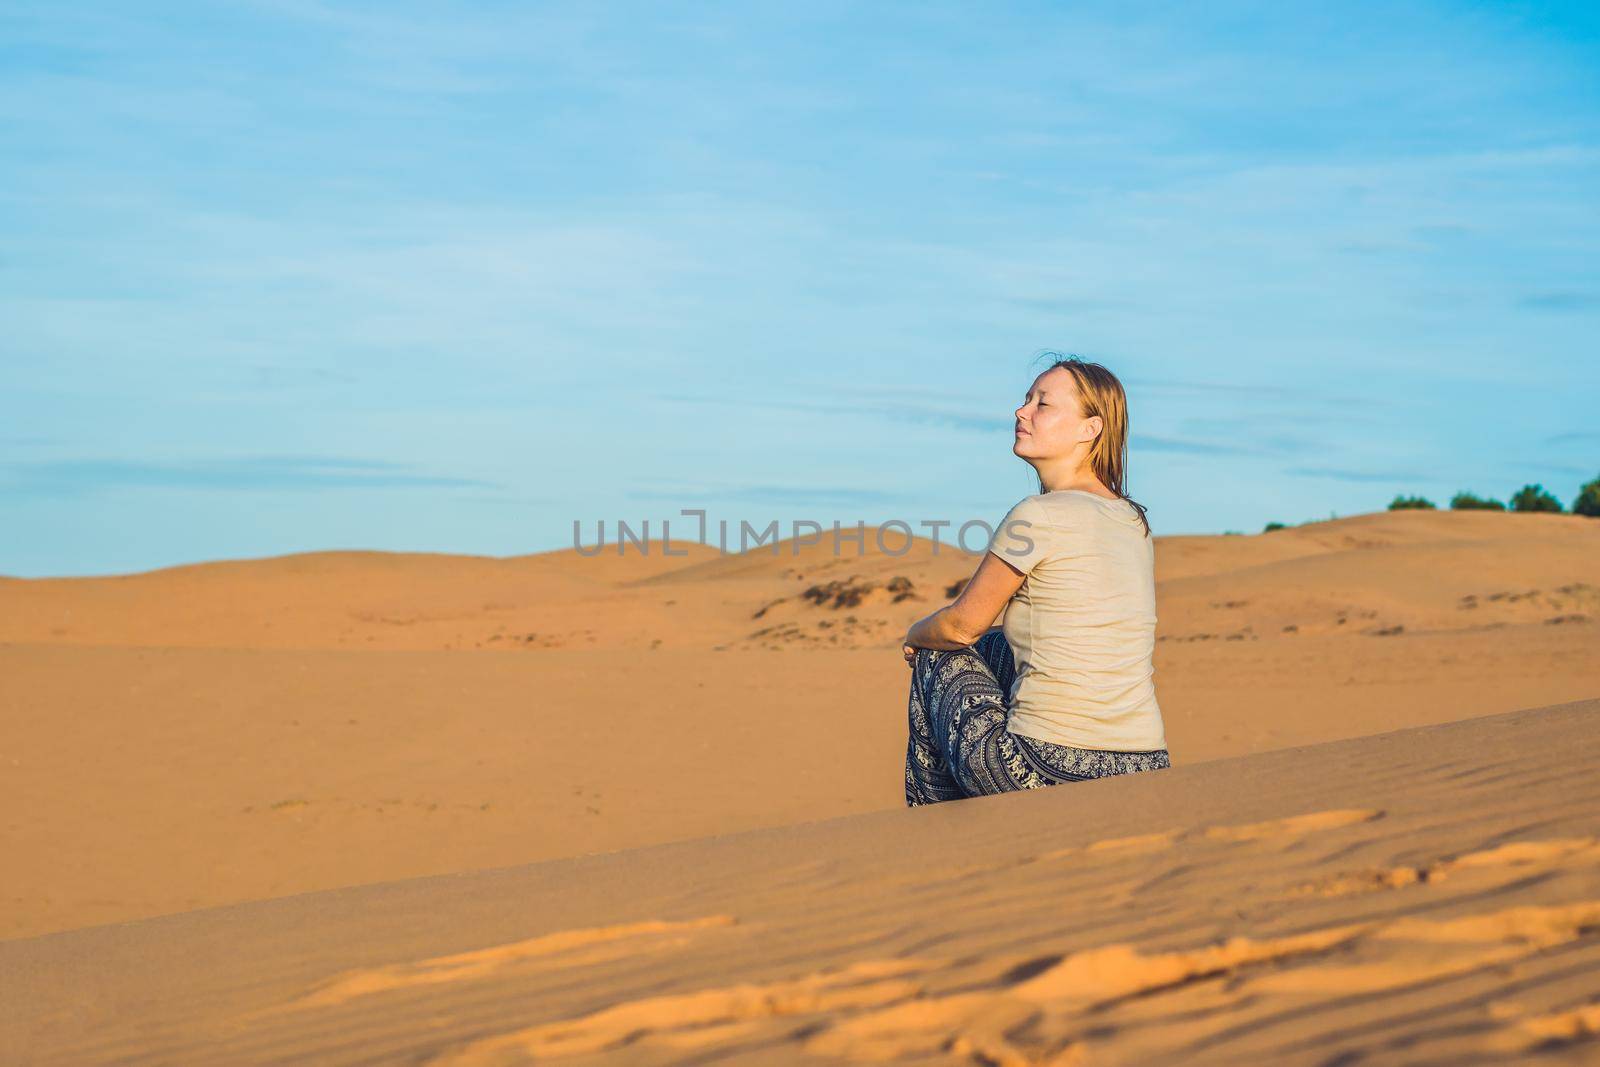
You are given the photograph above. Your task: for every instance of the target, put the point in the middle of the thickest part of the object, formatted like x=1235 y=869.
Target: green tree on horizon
x=1470 y=501
x=1402 y=502
x=1534 y=498
x=1587 y=502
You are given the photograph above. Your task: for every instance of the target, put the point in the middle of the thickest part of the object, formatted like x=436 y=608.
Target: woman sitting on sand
x=1064 y=691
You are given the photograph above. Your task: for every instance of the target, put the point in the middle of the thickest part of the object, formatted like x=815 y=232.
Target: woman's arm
x=964 y=620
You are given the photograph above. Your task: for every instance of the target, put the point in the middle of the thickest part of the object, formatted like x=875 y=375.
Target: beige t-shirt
x=1082 y=627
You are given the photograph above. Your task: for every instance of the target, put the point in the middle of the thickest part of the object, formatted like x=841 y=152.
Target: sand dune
x=231 y=731
x=1383 y=573
x=1428 y=895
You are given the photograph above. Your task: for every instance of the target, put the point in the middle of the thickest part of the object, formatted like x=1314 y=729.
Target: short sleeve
x=1022 y=538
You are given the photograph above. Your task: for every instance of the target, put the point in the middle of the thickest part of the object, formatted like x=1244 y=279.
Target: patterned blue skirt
x=960 y=746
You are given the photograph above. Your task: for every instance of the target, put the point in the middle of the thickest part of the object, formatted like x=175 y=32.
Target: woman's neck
x=1089 y=484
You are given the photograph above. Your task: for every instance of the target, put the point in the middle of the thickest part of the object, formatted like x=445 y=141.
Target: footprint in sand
x=1550 y=854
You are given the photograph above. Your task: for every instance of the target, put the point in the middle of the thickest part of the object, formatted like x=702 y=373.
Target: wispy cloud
x=1343 y=475
x=1148 y=443
x=945 y=409
x=1254 y=390
x=1521 y=467
x=1072 y=305
x=246 y=474
x=692 y=496
x=1576 y=437
x=907 y=412
x=1561 y=300
x=275 y=376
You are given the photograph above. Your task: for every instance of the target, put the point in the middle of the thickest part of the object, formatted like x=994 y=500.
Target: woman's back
x=1082 y=626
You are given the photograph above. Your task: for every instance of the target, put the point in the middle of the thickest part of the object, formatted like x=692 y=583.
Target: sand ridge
x=368 y=807
x=1178 y=930
x=1379 y=574
x=237 y=730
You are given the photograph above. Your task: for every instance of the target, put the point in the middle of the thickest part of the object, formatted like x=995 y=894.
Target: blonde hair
x=1100 y=393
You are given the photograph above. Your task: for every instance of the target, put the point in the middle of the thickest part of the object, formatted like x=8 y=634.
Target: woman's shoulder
x=1067 y=508
x=1067 y=502
x=1070 y=508
x=1045 y=511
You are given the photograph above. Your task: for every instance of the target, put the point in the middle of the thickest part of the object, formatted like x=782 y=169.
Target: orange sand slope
x=1425 y=895
x=244 y=730
x=1381 y=574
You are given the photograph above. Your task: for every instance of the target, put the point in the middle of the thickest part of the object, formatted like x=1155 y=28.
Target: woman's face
x=1048 y=422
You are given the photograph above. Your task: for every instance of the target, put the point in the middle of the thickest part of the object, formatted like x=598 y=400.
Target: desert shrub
x=1588 y=499
x=1465 y=501
x=1534 y=498
x=1273 y=526
x=1401 y=502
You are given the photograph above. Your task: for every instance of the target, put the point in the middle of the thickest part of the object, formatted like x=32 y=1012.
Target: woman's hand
x=910 y=655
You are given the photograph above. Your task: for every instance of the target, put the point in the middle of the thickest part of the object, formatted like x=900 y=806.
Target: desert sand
x=1429 y=895
x=650 y=808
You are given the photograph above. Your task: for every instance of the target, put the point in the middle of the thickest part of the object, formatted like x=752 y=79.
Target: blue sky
x=447 y=277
